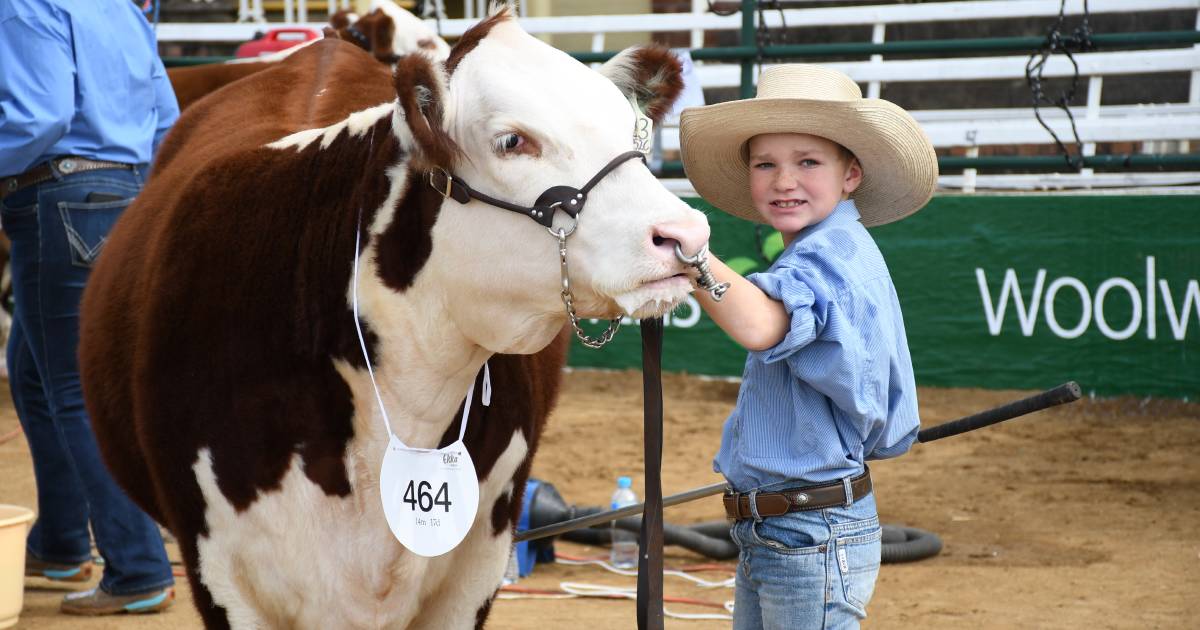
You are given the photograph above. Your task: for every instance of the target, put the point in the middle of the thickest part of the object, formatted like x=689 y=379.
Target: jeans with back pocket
x=58 y=230
x=807 y=570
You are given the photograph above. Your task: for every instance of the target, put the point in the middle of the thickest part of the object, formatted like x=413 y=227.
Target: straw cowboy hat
x=899 y=165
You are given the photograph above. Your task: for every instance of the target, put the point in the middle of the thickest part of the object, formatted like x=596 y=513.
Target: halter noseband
x=565 y=198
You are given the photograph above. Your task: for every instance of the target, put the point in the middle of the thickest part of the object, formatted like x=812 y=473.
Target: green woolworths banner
x=1023 y=291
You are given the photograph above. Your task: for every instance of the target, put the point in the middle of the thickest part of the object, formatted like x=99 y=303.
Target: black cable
x=1080 y=40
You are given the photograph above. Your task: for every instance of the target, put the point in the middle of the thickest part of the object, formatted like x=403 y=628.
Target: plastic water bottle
x=624 y=553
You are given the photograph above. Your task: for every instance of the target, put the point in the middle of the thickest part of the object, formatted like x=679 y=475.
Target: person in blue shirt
x=84 y=101
x=828 y=382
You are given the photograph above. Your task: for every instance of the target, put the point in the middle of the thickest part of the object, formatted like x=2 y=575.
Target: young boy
x=828 y=383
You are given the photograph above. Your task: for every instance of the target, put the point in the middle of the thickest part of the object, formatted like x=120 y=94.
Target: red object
x=277 y=39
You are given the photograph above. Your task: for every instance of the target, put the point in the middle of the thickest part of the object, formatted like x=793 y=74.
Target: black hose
x=908 y=544
x=709 y=538
x=719 y=529
x=717 y=547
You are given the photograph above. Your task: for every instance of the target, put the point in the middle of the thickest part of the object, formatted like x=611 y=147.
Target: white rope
x=358 y=329
x=701 y=582
x=487 y=374
x=582 y=589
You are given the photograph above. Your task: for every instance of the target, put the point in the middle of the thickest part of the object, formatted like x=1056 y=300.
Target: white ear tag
x=643 y=129
x=430 y=498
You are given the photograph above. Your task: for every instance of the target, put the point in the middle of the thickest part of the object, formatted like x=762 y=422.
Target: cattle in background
x=411 y=32
x=387 y=32
x=218 y=349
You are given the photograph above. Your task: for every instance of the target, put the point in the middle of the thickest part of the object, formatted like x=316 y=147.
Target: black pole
x=650 y=544
x=1065 y=393
x=555 y=529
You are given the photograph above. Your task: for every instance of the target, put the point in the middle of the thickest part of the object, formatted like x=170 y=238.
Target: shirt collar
x=844 y=212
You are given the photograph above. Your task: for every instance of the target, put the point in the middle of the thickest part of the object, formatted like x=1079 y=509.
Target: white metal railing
x=1153 y=126
x=699 y=20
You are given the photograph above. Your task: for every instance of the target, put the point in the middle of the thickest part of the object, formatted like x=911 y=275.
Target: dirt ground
x=1086 y=516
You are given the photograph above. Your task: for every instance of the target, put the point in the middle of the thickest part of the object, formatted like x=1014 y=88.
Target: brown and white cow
x=219 y=356
x=387 y=32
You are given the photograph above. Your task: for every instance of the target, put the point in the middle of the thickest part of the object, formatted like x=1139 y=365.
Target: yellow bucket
x=13 y=526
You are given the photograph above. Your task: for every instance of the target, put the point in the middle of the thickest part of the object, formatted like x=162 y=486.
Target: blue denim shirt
x=839 y=388
x=79 y=78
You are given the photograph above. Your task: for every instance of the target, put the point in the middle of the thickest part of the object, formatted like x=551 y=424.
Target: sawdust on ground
x=1085 y=516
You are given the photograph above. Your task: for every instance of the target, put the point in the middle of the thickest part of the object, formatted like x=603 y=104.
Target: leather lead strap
x=650 y=543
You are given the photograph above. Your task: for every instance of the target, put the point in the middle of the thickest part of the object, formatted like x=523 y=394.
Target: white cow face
x=527 y=117
x=412 y=34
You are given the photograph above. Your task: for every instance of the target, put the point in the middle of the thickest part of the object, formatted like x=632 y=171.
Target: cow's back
x=315 y=87
x=192 y=83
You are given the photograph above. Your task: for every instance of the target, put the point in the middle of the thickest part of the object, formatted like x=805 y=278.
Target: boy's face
x=796 y=179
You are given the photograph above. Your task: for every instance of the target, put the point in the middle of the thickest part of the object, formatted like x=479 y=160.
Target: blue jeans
x=56 y=235
x=807 y=570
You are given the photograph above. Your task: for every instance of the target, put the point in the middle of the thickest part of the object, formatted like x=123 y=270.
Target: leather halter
x=565 y=198
x=359 y=37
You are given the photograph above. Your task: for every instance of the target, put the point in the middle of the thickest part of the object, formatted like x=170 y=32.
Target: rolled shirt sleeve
x=789 y=286
x=849 y=354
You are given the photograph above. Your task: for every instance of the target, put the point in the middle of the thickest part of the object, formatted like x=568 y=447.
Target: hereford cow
x=218 y=351
x=387 y=32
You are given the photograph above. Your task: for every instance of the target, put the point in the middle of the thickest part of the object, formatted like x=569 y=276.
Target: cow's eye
x=509 y=143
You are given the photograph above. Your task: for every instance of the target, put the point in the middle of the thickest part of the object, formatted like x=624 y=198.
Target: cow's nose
x=689 y=235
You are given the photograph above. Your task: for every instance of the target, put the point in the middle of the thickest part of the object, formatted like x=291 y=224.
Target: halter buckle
x=449 y=187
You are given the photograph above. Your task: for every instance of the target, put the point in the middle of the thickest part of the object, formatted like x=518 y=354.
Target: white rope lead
x=701 y=582
x=580 y=589
x=358 y=329
x=487 y=374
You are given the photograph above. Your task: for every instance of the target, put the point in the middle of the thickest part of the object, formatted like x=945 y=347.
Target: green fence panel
x=1007 y=291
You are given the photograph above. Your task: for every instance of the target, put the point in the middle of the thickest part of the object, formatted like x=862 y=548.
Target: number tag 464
x=430 y=498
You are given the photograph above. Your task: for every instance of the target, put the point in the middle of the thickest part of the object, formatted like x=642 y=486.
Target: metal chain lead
x=613 y=324
x=705 y=280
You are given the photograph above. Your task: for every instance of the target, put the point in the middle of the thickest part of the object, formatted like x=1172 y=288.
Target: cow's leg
x=477 y=565
x=183 y=504
x=217 y=568
x=463 y=600
x=214 y=616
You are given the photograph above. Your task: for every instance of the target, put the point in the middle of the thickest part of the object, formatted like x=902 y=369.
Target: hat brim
x=899 y=164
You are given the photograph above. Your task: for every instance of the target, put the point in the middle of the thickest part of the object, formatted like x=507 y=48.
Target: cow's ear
x=421 y=97
x=342 y=19
x=652 y=74
x=381 y=32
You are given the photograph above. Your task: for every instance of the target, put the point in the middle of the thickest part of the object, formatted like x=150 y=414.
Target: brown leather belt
x=44 y=172
x=833 y=494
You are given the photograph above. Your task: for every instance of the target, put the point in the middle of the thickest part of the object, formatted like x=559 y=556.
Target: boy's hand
x=700 y=273
x=744 y=312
